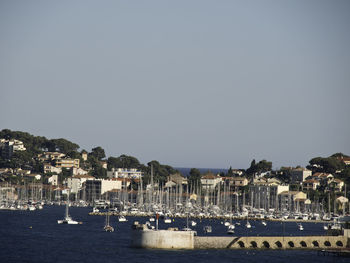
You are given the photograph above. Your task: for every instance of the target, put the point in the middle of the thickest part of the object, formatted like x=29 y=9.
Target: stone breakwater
x=143 y=237
x=270 y=242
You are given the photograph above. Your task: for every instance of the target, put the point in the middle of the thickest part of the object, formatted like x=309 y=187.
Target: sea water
x=35 y=236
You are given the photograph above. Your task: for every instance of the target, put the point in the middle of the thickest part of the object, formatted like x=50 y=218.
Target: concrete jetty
x=143 y=237
x=271 y=242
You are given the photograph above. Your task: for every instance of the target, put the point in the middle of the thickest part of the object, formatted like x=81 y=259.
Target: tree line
x=38 y=144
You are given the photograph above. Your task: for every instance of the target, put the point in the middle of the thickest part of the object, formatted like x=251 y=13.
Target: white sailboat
x=67 y=219
x=230 y=229
x=108 y=227
x=300 y=226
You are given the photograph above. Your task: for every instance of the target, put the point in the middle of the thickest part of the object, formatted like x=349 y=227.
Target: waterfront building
x=132 y=173
x=292 y=201
x=53 y=180
x=67 y=163
x=178 y=179
x=298 y=175
x=209 y=181
x=336 y=184
x=239 y=181
x=311 y=184
x=8 y=147
x=78 y=171
x=48 y=168
x=75 y=183
x=50 y=156
x=94 y=189
x=264 y=193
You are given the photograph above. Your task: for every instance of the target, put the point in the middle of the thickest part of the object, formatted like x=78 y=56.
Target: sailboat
x=67 y=219
x=248 y=225
x=108 y=227
x=230 y=229
x=300 y=226
x=187 y=228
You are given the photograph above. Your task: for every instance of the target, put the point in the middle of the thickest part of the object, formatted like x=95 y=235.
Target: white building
x=94 y=189
x=8 y=147
x=108 y=185
x=298 y=175
x=53 y=180
x=75 y=182
x=78 y=171
x=124 y=173
x=48 y=168
x=49 y=156
x=264 y=192
x=209 y=181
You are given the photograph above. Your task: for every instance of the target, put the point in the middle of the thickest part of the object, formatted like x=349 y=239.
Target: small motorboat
x=167 y=220
x=122 y=218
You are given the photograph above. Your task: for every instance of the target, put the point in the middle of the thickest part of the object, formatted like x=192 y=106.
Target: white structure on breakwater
x=142 y=237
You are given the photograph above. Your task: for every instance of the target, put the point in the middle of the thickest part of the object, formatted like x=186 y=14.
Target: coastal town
x=36 y=171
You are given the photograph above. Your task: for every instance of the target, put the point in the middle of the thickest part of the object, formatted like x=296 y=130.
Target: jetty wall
x=270 y=242
x=163 y=239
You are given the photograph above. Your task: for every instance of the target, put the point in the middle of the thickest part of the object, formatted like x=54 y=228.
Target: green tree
x=230 y=172
x=194 y=179
x=61 y=145
x=160 y=172
x=262 y=166
x=123 y=161
x=97 y=169
x=98 y=152
x=20 y=159
x=74 y=155
x=326 y=165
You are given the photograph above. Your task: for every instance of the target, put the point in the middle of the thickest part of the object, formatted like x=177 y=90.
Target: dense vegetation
x=38 y=144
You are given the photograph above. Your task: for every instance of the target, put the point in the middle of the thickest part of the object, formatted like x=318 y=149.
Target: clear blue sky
x=188 y=83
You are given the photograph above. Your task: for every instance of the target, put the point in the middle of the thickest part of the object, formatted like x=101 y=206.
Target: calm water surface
x=36 y=237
